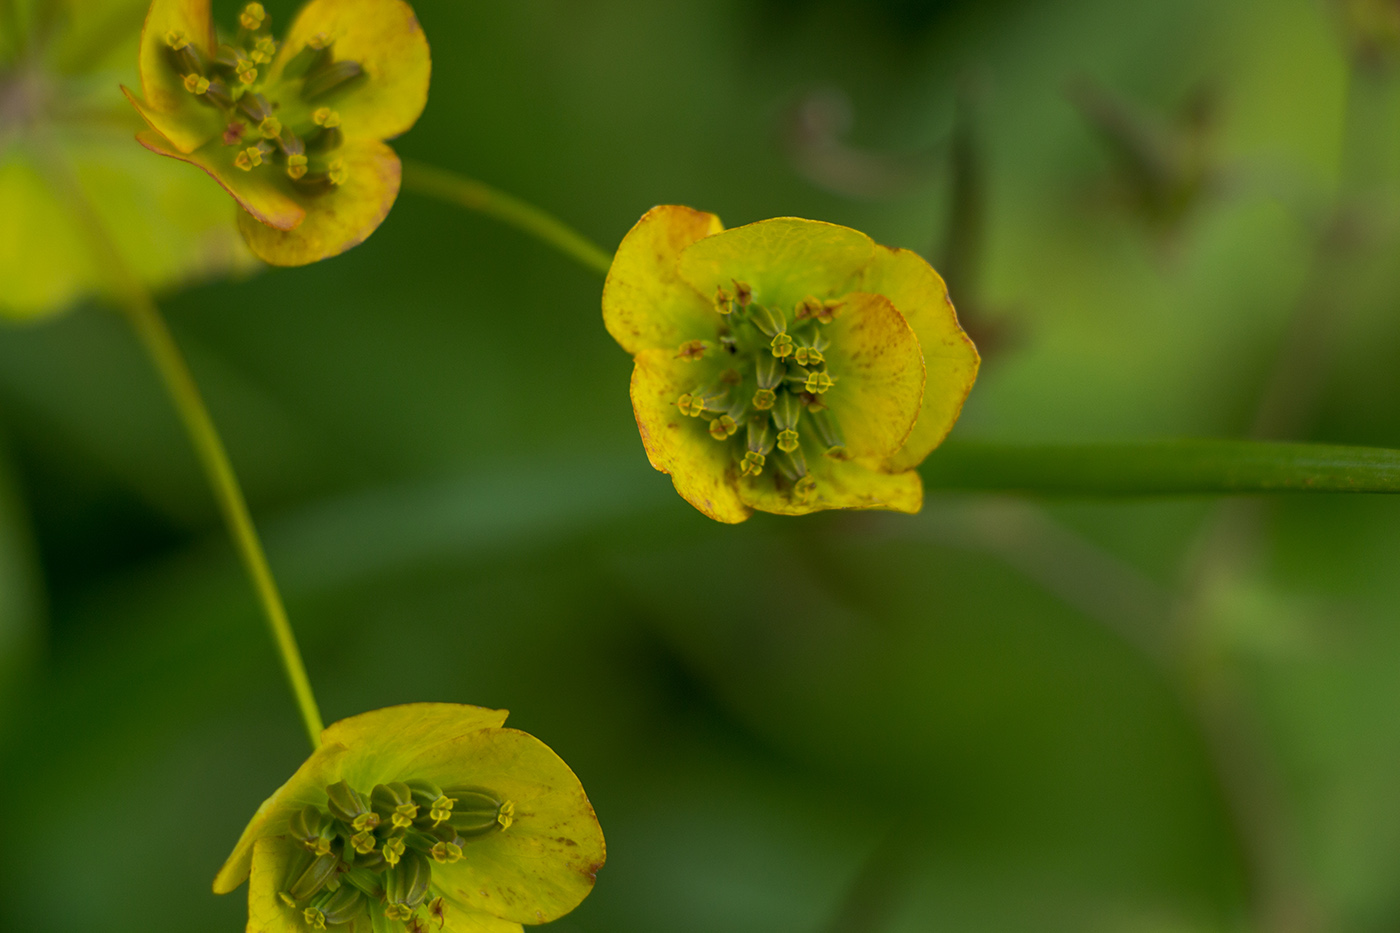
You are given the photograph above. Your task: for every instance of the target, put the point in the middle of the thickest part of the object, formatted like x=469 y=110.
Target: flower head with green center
x=787 y=366
x=417 y=817
x=294 y=130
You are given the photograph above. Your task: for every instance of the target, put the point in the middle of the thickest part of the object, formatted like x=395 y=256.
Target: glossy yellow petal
x=267 y=912
x=383 y=741
x=545 y=863
x=784 y=260
x=840 y=484
x=171 y=110
x=386 y=40
x=702 y=470
x=950 y=359
x=879 y=371
x=645 y=303
x=459 y=918
x=337 y=219
x=260 y=193
x=307 y=787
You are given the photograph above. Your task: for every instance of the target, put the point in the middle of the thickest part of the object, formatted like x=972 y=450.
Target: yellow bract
x=537 y=865
x=841 y=362
x=351 y=74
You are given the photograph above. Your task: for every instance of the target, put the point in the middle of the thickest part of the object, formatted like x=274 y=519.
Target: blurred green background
x=1158 y=218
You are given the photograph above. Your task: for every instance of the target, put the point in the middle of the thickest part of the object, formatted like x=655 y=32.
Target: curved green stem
x=481 y=197
x=1154 y=468
x=141 y=310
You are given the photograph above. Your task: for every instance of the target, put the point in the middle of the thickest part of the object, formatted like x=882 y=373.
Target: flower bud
x=345 y=803
x=394 y=803
x=407 y=885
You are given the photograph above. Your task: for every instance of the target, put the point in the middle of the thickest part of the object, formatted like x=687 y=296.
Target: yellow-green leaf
x=950 y=359
x=334 y=220
x=701 y=469
x=784 y=260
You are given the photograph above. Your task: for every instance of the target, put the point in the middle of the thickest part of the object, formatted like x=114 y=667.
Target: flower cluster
x=417 y=817
x=786 y=366
x=294 y=130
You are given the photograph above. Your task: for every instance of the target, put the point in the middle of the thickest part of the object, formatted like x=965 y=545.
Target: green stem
x=131 y=294
x=1152 y=468
x=481 y=197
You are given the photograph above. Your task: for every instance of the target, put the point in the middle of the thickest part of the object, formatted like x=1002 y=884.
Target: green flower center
x=287 y=125
x=767 y=403
x=376 y=853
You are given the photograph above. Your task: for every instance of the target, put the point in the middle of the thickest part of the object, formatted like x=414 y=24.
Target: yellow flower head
x=429 y=815
x=832 y=365
x=350 y=74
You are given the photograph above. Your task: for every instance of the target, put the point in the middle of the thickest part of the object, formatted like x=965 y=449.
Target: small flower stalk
x=786 y=366
x=294 y=130
x=429 y=816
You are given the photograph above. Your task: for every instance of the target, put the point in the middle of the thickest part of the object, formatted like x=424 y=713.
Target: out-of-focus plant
x=293 y=130
x=61 y=62
x=789 y=365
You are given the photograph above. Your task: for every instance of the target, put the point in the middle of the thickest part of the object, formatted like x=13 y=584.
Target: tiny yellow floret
x=252 y=16
x=196 y=84
x=325 y=116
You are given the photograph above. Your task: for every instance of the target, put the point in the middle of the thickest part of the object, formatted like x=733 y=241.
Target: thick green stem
x=478 y=196
x=130 y=293
x=1154 y=468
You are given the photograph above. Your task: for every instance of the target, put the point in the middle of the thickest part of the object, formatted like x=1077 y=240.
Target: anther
x=787 y=440
x=752 y=464
x=270 y=128
x=808 y=356
x=363 y=842
x=446 y=852
x=724 y=301
x=330 y=77
x=287 y=899
x=338 y=173
x=691 y=405
x=808 y=307
x=264 y=50
x=325 y=116
x=692 y=350
x=176 y=39
x=819 y=382
x=723 y=428
x=829 y=311
x=247 y=71
x=252 y=17
x=393 y=850
x=782 y=346
x=763 y=399
x=506 y=815
x=249 y=158
x=314 y=918
x=804 y=487
x=196 y=83
x=395 y=801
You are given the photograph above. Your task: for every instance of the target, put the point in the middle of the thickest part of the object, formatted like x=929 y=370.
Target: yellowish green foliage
x=429 y=815
x=65 y=138
x=293 y=130
x=787 y=366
